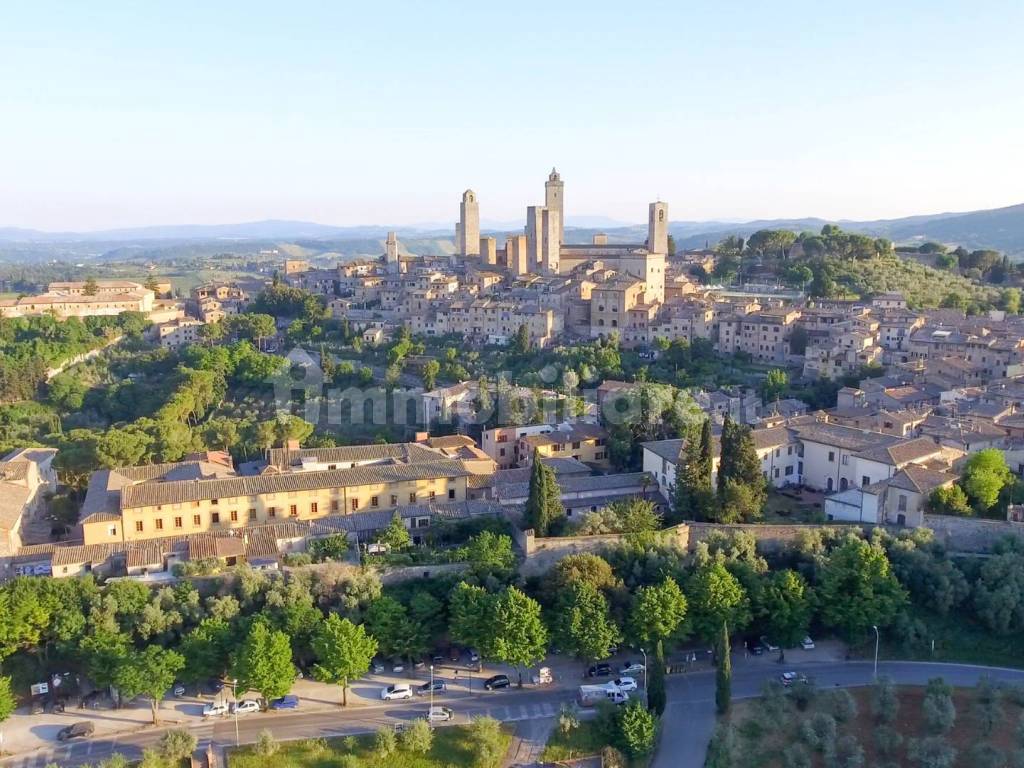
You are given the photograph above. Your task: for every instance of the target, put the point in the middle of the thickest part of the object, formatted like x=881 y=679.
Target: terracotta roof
x=347 y=454
x=920 y=479
x=153 y=494
x=901 y=452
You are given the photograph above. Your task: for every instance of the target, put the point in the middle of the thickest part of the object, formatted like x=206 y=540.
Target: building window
x=412 y=498
x=432 y=495
x=112 y=530
x=252 y=514
x=312 y=508
x=789 y=470
x=373 y=501
x=213 y=501
x=334 y=505
x=234 y=515
x=901 y=505
x=846 y=459
x=832 y=456
x=271 y=511
x=354 y=503
x=177 y=522
x=196 y=520
x=215 y=517
x=394 y=500
x=451 y=493
x=138 y=526
x=159 y=524
x=293 y=510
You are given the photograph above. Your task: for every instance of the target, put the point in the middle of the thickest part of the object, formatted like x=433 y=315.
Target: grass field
x=579 y=742
x=780 y=508
x=765 y=735
x=452 y=748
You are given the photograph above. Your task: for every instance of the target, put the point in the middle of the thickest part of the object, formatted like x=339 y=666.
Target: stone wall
x=969 y=534
x=769 y=537
x=542 y=553
x=414 y=572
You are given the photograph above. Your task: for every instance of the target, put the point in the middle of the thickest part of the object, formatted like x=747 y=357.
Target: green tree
x=693 y=497
x=984 y=477
x=950 y=500
x=488 y=742
x=655 y=682
x=786 y=604
x=177 y=744
x=91 y=287
x=151 y=671
x=658 y=611
x=263 y=663
x=723 y=673
x=469 y=611
x=343 y=651
x=333 y=547
x=774 y=385
x=739 y=463
x=544 y=503
x=521 y=341
x=396 y=632
x=517 y=634
x=716 y=597
x=637 y=729
x=858 y=589
x=430 y=370
x=490 y=554
x=1009 y=301
x=7 y=701
x=418 y=737
x=207 y=649
x=396 y=535
x=581 y=624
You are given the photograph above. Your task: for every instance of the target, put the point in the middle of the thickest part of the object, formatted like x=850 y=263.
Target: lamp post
x=234 y=696
x=646 y=702
x=431 y=692
x=877 y=640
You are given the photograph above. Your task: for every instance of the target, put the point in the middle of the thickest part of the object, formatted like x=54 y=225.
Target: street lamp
x=646 y=695
x=877 y=639
x=431 y=692
x=234 y=696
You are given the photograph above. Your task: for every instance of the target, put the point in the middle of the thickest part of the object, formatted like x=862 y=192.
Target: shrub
x=724 y=750
x=931 y=752
x=177 y=744
x=887 y=740
x=939 y=712
x=567 y=721
x=988 y=709
x=796 y=756
x=265 y=744
x=885 y=703
x=612 y=758
x=418 y=737
x=983 y=755
x=848 y=753
x=841 y=704
x=803 y=692
x=384 y=742
x=819 y=731
x=637 y=728
x=485 y=733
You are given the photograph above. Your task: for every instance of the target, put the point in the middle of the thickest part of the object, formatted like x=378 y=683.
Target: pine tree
x=723 y=675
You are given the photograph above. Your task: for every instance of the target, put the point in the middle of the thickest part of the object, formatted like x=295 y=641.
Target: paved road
x=689 y=718
x=690 y=715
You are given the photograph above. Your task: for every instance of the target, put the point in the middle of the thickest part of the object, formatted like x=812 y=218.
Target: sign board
x=39 y=689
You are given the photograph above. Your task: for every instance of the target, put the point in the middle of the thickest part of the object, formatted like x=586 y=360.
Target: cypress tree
x=692 y=494
x=544 y=504
x=723 y=675
x=656 y=697
x=725 y=460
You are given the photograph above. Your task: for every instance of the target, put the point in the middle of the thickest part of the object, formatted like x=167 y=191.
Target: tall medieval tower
x=554 y=189
x=469 y=224
x=657 y=228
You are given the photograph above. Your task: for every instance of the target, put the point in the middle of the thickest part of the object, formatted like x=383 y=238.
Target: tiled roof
x=920 y=479
x=901 y=452
x=347 y=454
x=153 y=494
x=666 y=449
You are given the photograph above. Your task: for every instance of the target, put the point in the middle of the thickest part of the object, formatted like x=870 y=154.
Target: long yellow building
x=204 y=494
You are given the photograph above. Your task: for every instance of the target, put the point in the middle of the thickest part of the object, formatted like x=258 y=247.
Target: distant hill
x=1001 y=229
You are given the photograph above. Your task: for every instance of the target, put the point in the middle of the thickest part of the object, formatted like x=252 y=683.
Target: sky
x=117 y=114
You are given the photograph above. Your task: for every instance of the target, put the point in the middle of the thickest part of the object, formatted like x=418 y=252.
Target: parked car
x=807 y=643
x=496 y=682
x=437 y=686
x=600 y=670
x=178 y=690
x=397 y=667
x=377 y=667
x=788 y=678
x=768 y=643
x=625 y=684
x=440 y=714
x=291 y=701
x=474 y=655
x=757 y=649
x=76 y=731
x=543 y=676
x=245 y=706
x=454 y=654
x=213 y=686
x=396 y=692
x=216 y=709
x=631 y=668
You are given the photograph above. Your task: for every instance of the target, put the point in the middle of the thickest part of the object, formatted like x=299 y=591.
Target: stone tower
x=469 y=229
x=551 y=242
x=657 y=228
x=489 y=250
x=534 y=234
x=554 y=189
x=391 y=249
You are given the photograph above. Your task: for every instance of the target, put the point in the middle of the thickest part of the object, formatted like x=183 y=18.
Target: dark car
x=496 y=682
x=75 y=730
x=600 y=670
x=213 y=686
x=438 y=686
x=757 y=650
x=291 y=701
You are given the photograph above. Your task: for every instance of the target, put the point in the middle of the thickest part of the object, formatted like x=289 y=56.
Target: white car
x=396 y=692
x=440 y=714
x=632 y=668
x=788 y=678
x=215 y=710
x=398 y=667
x=625 y=684
x=807 y=643
x=245 y=706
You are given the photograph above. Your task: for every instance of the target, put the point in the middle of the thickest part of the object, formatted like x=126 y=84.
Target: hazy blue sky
x=117 y=114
